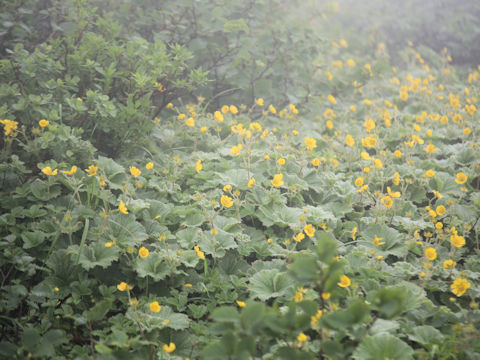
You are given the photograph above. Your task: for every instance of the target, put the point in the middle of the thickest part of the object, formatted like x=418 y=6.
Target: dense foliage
x=210 y=180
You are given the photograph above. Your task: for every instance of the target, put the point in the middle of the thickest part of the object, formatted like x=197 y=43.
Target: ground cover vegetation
x=237 y=180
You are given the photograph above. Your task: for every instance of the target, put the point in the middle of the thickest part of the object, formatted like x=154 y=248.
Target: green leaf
x=30 y=338
x=187 y=238
x=326 y=248
x=389 y=302
x=99 y=310
x=268 y=284
x=305 y=267
x=44 y=192
x=227 y=314
x=153 y=266
x=94 y=255
x=165 y=318
x=383 y=346
x=426 y=335
x=252 y=315
x=276 y=214
x=125 y=230
x=7 y=349
x=215 y=351
x=32 y=239
x=340 y=319
x=238 y=178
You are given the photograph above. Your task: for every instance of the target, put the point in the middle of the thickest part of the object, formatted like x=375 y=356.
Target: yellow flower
x=143 y=252
x=201 y=254
x=72 y=170
x=225 y=109
x=430 y=149
x=365 y=155
x=430 y=173
x=378 y=163
x=377 y=241
x=169 y=348
x=240 y=303
x=218 y=116
x=332 y=99
x=149 y=166
x=350 y=63
x=277 y=180
x=122 y=208
x=461 y=178
x=344 y=281
x=460 y=286
x=457 y=240
x=236 y=149
x=169 y=106
x=363 y=188
x=354 y=233
x=310 y=143
x=272 y=109
x=396 y=179
x=309 y=230
x=251 y=183
x=133 y=302
x=430 y=253
x=227 y=188
x=123 y=286
x=369 y=142
x=190 y=122
x=134 y=171
x=466 y=131
x=255 y=126
x=397 y=153
x=316 y=162
x=9 y=126
x=302 y=337
x=359 y=181
x=155 y=307
x=43 y=123
x=110 y=244
x=329 y=124
x=49 y=172
x=393 y=195
x=369 y=125
x=293 y=109
x=281 y=161
x=349 y=140
x=326 y=295
x=181 y=116
x=259 y=102
x=299 y=237
x=226 y=201
x=233 y=109
x=92 y=170
x=387 y=201
x=198 y=166
x=449 y=264
x=440 y=210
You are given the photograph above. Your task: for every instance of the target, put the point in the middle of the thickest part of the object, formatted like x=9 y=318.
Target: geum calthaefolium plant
x=144 y=216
